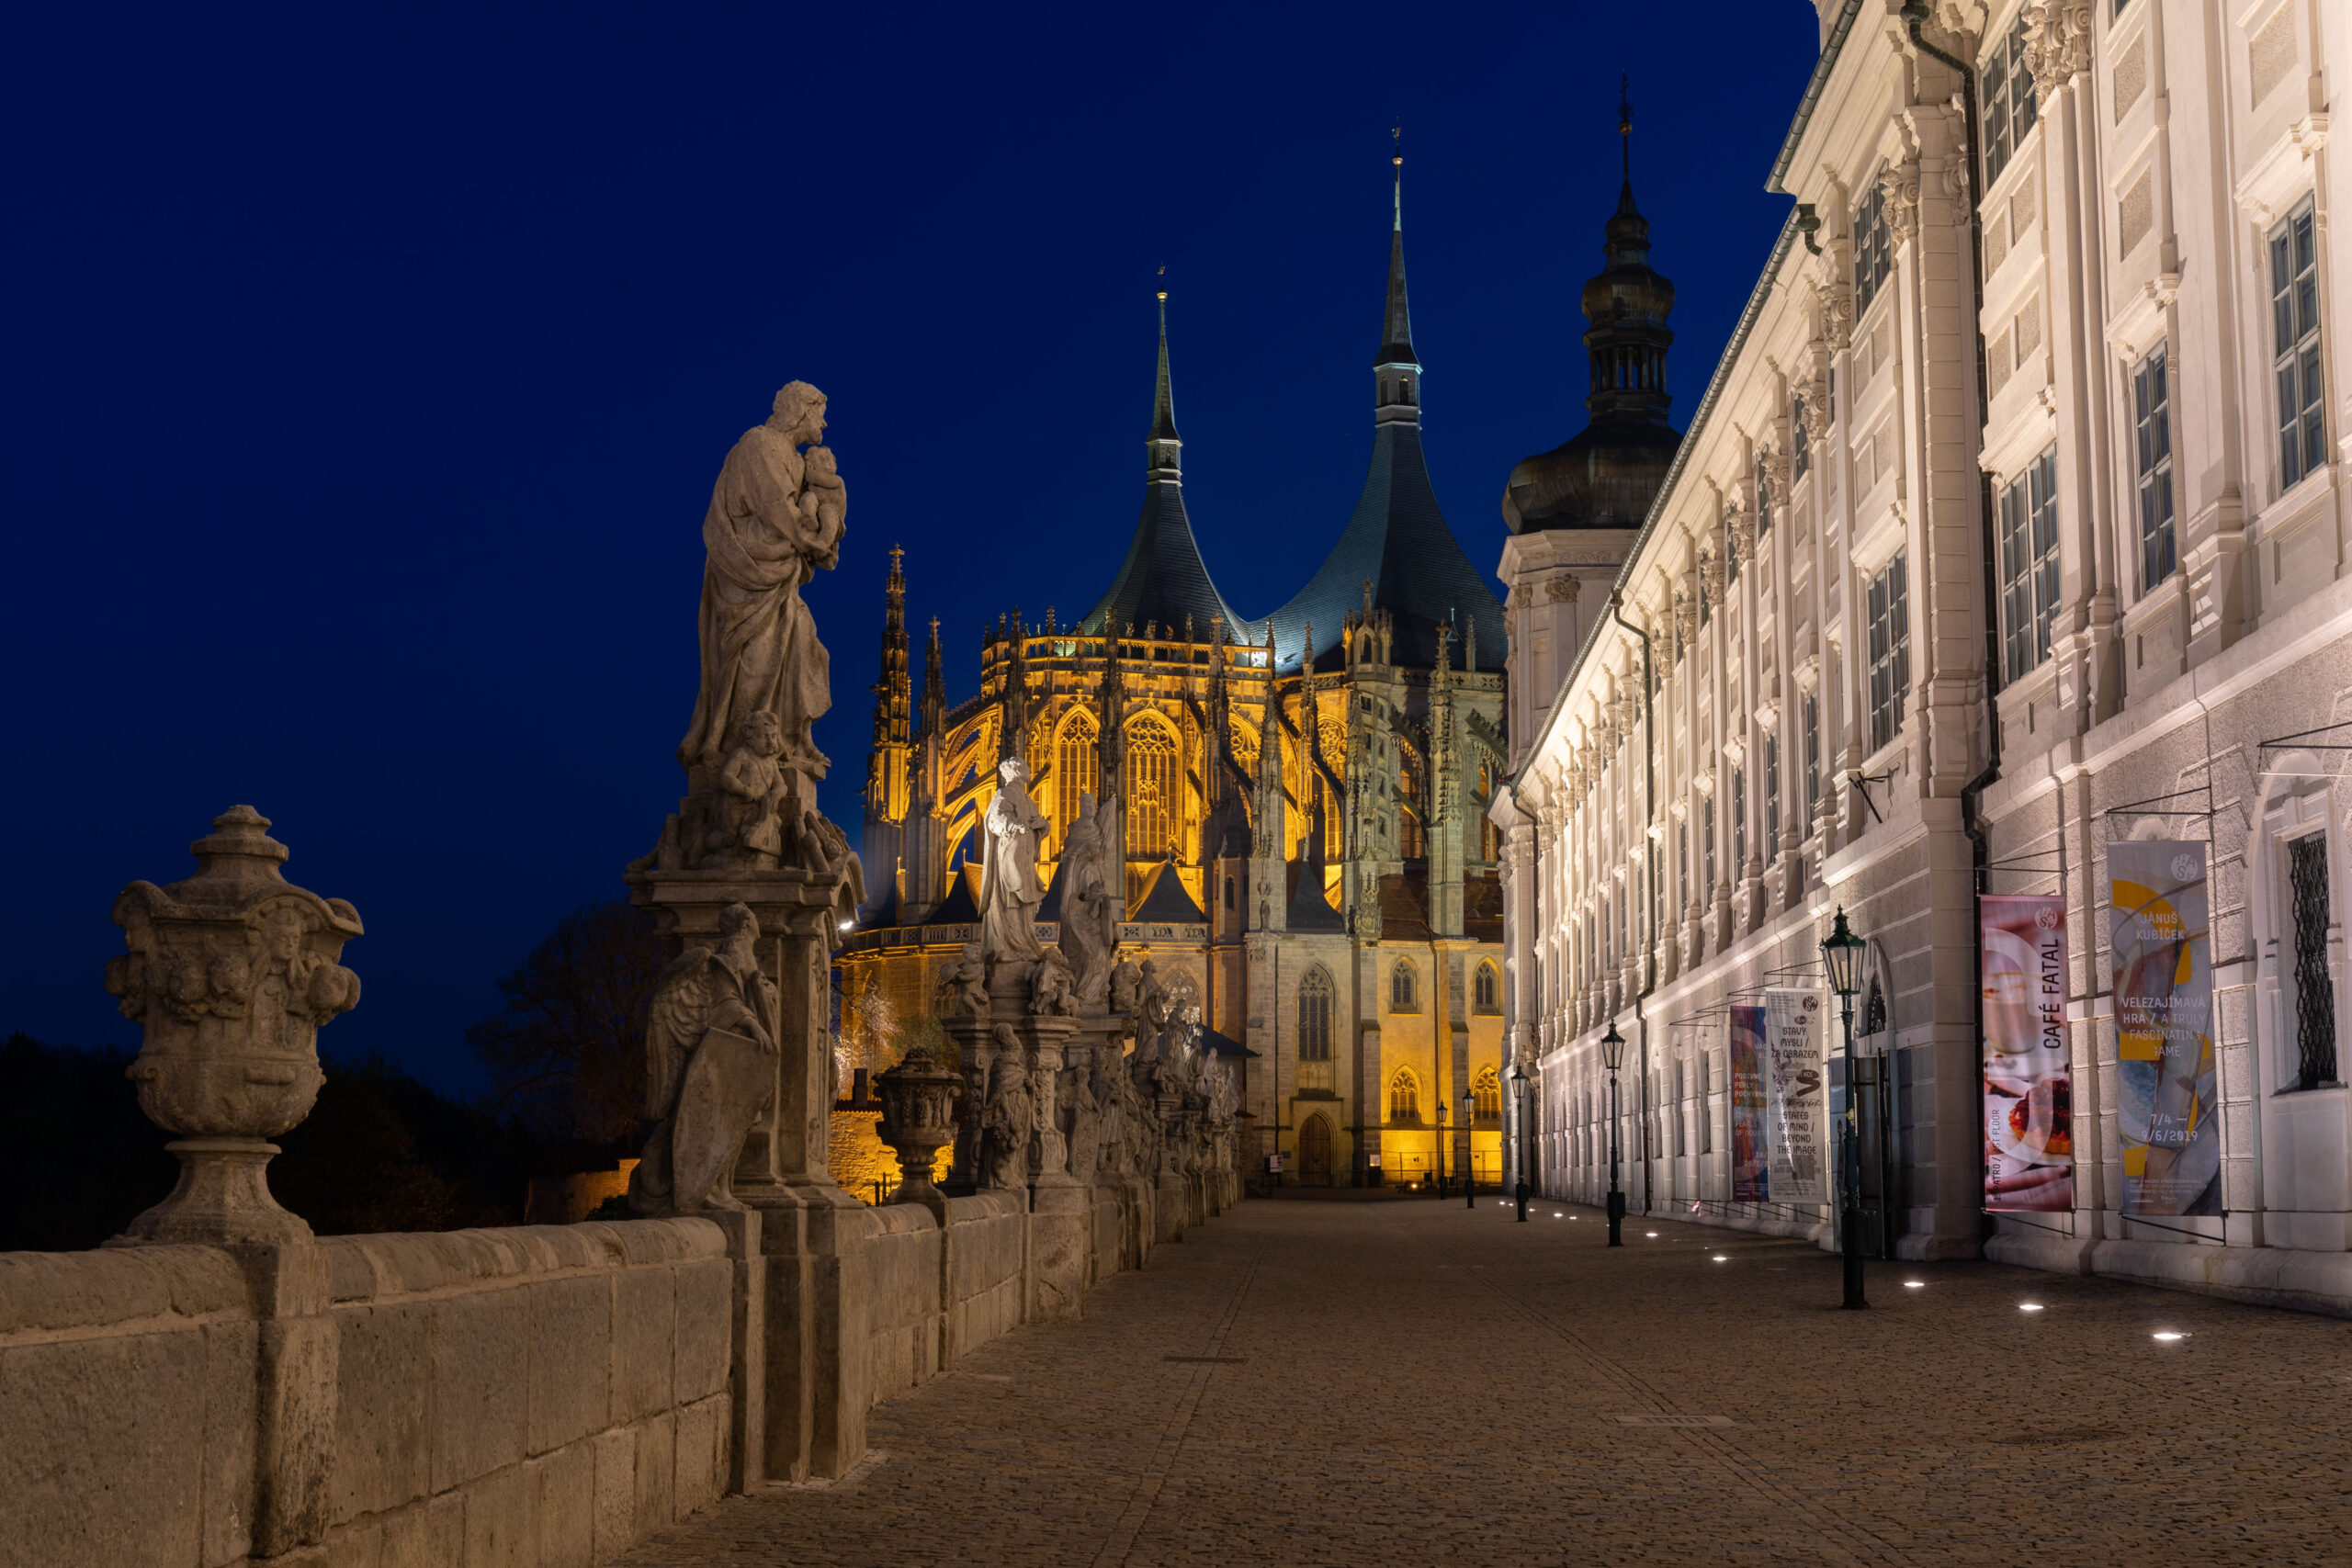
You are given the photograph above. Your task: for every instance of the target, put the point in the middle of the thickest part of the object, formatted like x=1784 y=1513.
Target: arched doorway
x=1315 y=1151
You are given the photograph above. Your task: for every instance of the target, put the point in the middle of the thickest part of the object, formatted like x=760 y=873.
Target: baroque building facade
x=1310 y=866
x=2011 y=527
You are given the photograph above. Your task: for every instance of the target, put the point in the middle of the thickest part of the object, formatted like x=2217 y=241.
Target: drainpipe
x=1971 y=793
x=1649 y=862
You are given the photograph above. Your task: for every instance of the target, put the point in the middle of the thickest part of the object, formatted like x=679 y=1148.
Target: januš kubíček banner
x=2168 y=1107
x=2028 y=1098
x=1794 y=1096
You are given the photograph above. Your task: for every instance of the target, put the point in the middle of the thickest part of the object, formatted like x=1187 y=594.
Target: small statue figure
x=710 y=1049
x=1007 y=1125
x=1126 y=985
x=1010 y=891
x=1054 y=989
x=964 y=989
x=1152 y=1012
x=746 y=826
x=1091 y=865
x=1085 y=1132
x=824 y=849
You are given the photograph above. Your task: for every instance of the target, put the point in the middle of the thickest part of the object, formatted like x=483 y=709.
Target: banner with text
x=1794 y=1101
x=2167 y=1106
x=2029 y=1082
x=1750 y=1178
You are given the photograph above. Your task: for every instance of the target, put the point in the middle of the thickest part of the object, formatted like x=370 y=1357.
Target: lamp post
x=1613 y=1056
x=1441 y=1145
x=1469 y=1150
x=1841 y=956
x=1519 y=1083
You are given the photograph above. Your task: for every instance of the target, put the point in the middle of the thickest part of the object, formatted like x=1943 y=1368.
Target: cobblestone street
x=1410 y=1381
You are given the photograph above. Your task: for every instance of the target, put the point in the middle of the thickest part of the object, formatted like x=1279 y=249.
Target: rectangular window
x=1707 y=853
x=1763 y=492
x=1873 y=246
x=1706 y=1104
x=1730 y=563
x=1739 y=822
x=2314 y=992
x=1681 y=1118
x=1800 y=448
x=2151 y=453
x=2008 y=99
x=2294 y=330
x=2029 y=563
x=1682 y=861
x=1771 y=797
x=1890 y=648
x=1812 y=754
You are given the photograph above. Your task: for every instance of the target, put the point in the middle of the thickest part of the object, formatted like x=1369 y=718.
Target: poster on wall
x=2028 y=1099
x=1795 y=1097
x=2167 y=1104
x=1749 y=1177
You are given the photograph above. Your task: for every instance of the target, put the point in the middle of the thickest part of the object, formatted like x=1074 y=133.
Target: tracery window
x=1404 y=988
x=1487 y=990
x=1078 y=771
x=1487 y=1095
x=1153 y=803
x=1315 y=1016
x=1404 y=1096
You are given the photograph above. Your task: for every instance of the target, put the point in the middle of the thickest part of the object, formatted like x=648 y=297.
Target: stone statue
x=1008 y=1124
x=230 y=973
x=824 y=849
x=770 y=527
x=1153 y=1012
x=1085 y=1133
x=1010 y=891
x=1053 y=992
x=710 y=1059
x=1092 y=865
x=1126 y=985
x=744 y=826
x=964 y=989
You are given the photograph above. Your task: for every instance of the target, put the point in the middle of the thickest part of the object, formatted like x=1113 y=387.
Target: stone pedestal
x=808 y=1253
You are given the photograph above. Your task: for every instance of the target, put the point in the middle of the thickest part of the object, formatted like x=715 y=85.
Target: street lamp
x=1842 y=955
x=1519 y=1084
x=1613 y=1056
x=1440 y=1144
x=1469 y=1150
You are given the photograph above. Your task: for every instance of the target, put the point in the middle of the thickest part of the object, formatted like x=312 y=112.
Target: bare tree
x=568 y=1054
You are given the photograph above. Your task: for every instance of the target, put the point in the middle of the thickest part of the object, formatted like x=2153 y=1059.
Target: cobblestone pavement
x=1378 y=1383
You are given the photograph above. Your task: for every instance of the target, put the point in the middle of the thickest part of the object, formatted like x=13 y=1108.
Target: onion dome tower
x=1607 y=475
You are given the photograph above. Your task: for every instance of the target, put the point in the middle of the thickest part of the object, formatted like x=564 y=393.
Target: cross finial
x=898 y=554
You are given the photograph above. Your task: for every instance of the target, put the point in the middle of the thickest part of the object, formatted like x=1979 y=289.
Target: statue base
x=222 y=1198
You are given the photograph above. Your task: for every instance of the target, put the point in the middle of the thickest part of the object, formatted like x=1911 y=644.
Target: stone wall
x=544 y=1394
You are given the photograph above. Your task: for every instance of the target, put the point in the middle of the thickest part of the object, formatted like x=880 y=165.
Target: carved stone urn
x=231 y=972
x=917 y=1118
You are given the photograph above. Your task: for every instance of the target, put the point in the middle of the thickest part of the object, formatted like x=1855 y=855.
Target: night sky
x=367 y=373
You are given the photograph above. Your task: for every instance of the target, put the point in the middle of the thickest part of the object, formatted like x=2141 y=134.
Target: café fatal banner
x=2167 y=1104
x=2028 y=1099
x=1777 y=1100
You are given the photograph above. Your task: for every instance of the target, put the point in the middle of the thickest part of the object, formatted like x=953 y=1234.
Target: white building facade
x=2012 y=525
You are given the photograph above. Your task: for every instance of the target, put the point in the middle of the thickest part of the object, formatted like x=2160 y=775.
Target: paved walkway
x=1385 y=1384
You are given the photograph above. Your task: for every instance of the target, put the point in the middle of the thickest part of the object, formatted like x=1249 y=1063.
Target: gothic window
x=1404 y=1096
x=2008 y=99
x=1487 y=1094
x=1404 y=988
x=1873 y=246
x=2029 y=529
x=1076 y=770
x=1153 y=803
x=1315 y=1016
x=2294 y=347
x=2314 y=993
x=1771 y=796
x=2152 y=462
x=1487 y=990
x=1890 y=652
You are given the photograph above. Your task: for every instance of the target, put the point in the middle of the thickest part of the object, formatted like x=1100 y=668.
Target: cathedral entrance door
x=1315 y=1151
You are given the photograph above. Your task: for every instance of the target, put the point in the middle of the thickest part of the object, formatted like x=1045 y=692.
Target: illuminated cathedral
x=1310 y=867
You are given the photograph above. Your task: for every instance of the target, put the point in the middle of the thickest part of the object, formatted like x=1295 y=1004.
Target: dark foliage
x=84 y=1159
x=568 y=1055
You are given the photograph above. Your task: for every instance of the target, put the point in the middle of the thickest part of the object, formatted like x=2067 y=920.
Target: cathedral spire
x=1164 y=448
x=1397 y=370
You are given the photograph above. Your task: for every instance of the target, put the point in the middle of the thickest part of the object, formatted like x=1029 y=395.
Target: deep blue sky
x=367 y=372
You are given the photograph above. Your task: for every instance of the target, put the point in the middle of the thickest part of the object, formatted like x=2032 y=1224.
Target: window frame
x=1873 y=245
x=2027 y=529
x=2298 y=367
x=1315 y=1025
x=2007 y=100
x=2152 y=466
x=1404 y=986
x=1809 y=714
x=1888 y=618
x=2318 y=1064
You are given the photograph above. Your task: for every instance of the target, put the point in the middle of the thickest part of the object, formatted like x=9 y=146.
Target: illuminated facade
x=1310 y=860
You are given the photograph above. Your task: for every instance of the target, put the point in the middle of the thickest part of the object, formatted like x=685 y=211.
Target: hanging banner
x=1794 y=1096
x=2028 y=1083
x=2167 y=1105
x=1750 y=1181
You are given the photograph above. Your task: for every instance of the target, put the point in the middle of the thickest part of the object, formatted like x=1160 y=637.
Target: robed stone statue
x=1010 y=891
x=710 y=1049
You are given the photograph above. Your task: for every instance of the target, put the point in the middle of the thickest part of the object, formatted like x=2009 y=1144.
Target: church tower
x=888 y=764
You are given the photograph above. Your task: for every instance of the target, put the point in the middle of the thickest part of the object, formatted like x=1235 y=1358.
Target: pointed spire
x=1397 y=369
x=1164 y=447
x=935 y=686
